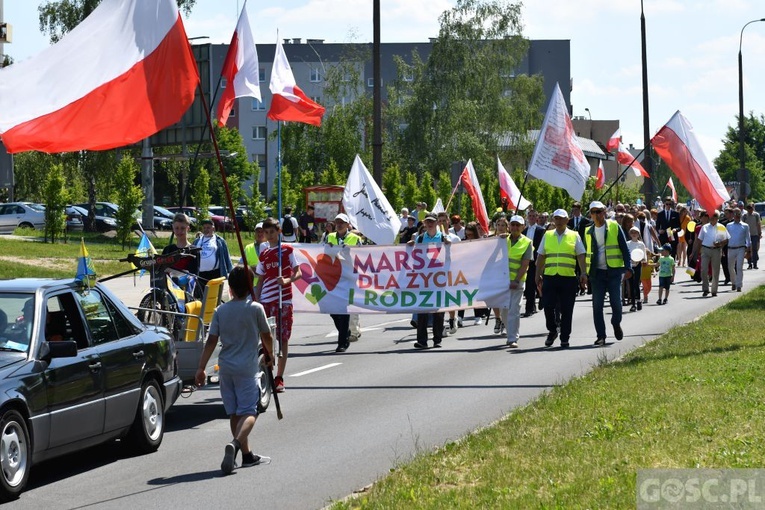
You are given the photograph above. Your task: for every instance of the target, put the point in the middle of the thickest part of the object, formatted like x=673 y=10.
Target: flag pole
x=279 y=250
x=523 y=186
x=452 y=195
x=618 y=178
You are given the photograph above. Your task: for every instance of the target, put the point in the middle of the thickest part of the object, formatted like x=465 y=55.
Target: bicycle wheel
x=162 y=302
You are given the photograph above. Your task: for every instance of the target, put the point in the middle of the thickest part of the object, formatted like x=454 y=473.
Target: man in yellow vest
x=342 y=237
x=559 y=253
x=252 y=251
x=519 y=255
x=608 y=262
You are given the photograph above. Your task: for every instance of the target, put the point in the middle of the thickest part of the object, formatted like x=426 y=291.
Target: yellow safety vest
x=614 y=257
x=515 y=255
x=350 y=239
x=252 y=258
x=560 y=255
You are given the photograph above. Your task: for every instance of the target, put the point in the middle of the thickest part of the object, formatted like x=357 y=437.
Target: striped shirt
x=268 y=268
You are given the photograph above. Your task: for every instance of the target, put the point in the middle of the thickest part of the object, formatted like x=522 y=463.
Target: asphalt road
x=348 y=418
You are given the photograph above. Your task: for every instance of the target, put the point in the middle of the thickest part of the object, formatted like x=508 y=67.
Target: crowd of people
x=609 y=251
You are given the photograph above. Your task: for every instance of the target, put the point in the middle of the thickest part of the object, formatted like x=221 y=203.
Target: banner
x=402 y=278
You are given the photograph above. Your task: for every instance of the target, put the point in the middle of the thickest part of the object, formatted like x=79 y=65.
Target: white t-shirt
x=633 y=245
x=709 y=234
x=208 y=257
x=600 y=239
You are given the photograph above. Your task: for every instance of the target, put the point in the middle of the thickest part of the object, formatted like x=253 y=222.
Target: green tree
x=200 y=194
x=57 y=17
x=727 y=162
x=411 y=192
x=332 y=175
x=56 y=198
x=393 y=187
x=128 y=197
x=427 y=192
x=449 y=118
x=444 y=188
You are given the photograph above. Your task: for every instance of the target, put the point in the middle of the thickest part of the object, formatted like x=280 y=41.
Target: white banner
x=367 y=207
x=401 y=278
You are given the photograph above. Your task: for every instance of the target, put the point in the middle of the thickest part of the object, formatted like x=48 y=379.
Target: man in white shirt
x=214 y=259
x=710 y=242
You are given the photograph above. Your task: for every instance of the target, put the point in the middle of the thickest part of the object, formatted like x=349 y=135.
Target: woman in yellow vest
x=559 y=252
x=520 y=253
x=608 y=261
x=342 y=237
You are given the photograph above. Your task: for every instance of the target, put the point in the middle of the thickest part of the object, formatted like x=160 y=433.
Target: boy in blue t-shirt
x=666 y=273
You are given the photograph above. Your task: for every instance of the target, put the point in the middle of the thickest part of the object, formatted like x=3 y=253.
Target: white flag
x=367 y=207
x=558 y=159
x=509 y=191
x=439 y=207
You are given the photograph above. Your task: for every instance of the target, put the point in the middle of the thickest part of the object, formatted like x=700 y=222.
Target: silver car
x=21 y=214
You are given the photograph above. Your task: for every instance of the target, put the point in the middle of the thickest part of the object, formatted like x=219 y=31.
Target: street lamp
x=590 y=114
x=742 y=173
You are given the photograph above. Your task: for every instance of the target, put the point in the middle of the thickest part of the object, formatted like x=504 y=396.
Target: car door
x=121 y=351
x=74 y=386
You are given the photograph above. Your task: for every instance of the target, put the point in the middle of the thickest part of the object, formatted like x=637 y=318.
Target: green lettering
x=408 y=299
x=388 y=298
x=426 y=294
x=470 y=296
x=370 y=298
x=452 y=299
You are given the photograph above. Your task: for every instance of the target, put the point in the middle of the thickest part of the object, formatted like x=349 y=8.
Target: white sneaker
x=459 y=322
x=452 y=326
x=477 y=321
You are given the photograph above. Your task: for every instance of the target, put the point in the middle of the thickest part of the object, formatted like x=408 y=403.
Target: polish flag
x=509 y=191
x=600 y=180
x=624 y=157
x=124 y=73
x=289 y=103
x=473 y=188
x=671 y=185
x=615 y=141
x=241 y=68
x=677 y=145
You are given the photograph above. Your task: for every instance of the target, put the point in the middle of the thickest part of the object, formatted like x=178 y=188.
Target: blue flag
x=84 y=264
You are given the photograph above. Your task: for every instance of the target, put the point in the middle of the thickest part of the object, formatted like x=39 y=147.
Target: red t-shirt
x=268 y=268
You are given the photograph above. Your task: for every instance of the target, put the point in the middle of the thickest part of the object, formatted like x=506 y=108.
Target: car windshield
x=16 y=319
x=37 y=207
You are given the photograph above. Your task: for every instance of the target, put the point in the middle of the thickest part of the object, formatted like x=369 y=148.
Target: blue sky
x=692 y=48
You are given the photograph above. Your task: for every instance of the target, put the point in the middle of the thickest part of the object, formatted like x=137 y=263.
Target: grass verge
x=693 y=398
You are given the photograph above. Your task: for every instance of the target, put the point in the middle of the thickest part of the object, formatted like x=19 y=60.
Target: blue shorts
x=665 y=282
x=240 y=395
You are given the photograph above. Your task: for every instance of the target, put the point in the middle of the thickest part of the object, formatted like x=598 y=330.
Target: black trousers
x=530 y=291
x=342 y=323
x=559 y=292
x=422 y=327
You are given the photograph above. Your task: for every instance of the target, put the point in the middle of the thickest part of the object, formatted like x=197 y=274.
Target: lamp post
x=743 y=178
x=590 y=114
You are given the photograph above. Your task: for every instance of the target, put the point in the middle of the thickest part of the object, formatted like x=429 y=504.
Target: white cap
x=635 y=229
x=517 y=219
x=596 y=205
x=259 y=226
x=560 y=213
x=342 y=217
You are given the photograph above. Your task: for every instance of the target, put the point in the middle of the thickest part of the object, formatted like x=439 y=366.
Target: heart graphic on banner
x=326 y=268
x=316 y=294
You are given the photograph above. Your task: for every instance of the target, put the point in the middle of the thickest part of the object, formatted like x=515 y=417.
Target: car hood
x=8 y=360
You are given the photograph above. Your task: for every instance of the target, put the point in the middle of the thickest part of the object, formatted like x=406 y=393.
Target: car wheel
x=15 y=455
x=26 y=225
x=264 y=384
x=147 y=431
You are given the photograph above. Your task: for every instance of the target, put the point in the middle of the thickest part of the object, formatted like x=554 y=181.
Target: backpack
x=288 y=229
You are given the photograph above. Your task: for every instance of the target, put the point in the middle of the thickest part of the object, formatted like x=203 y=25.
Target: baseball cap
x=635 y=229
x=560 y=213
x=667 y=247
x=342 y=217
x=596 y=205
x=259 y=226
x=517 y=219
x=431 y=216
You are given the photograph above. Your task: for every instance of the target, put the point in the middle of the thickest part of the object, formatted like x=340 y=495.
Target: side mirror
x=60 y=349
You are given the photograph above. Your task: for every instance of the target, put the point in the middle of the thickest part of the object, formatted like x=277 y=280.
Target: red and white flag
x=124 y=73
x=289 y=103
x=509 y=191
x=558 y=159
x=671 y=185
x=677 y=145
x=240 y=69
x=615 y=141
x=624 y=157
x=600 y=180
x=473 y=188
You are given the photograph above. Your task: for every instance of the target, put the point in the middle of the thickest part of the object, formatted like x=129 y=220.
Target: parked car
x=221 y=222
x=760 y=208
x=74 y=219
x=104 y=223
x=21 y=214
x=77 y=368
x=163 y=219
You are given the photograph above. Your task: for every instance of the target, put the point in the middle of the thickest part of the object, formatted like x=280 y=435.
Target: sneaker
x=664 y=302
x=452 y=326
x=618 y=333
x=459 y=322
x=645 y=299
x=418 y=345
x=705 y=293
x=659 y=301
x=639 y=305
x=497 y=326
x=228 y=464
x=551 y=336
x=564 y=344
x=633 y=308
x=342 y=348
x=513 y=345
x=250 y=459
x=476 y=321
x=413 y=323
x=750 y=266
x=738 y=289
x=437 y=345
x=600 y=342
x=353 y=338
x=279 y=384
